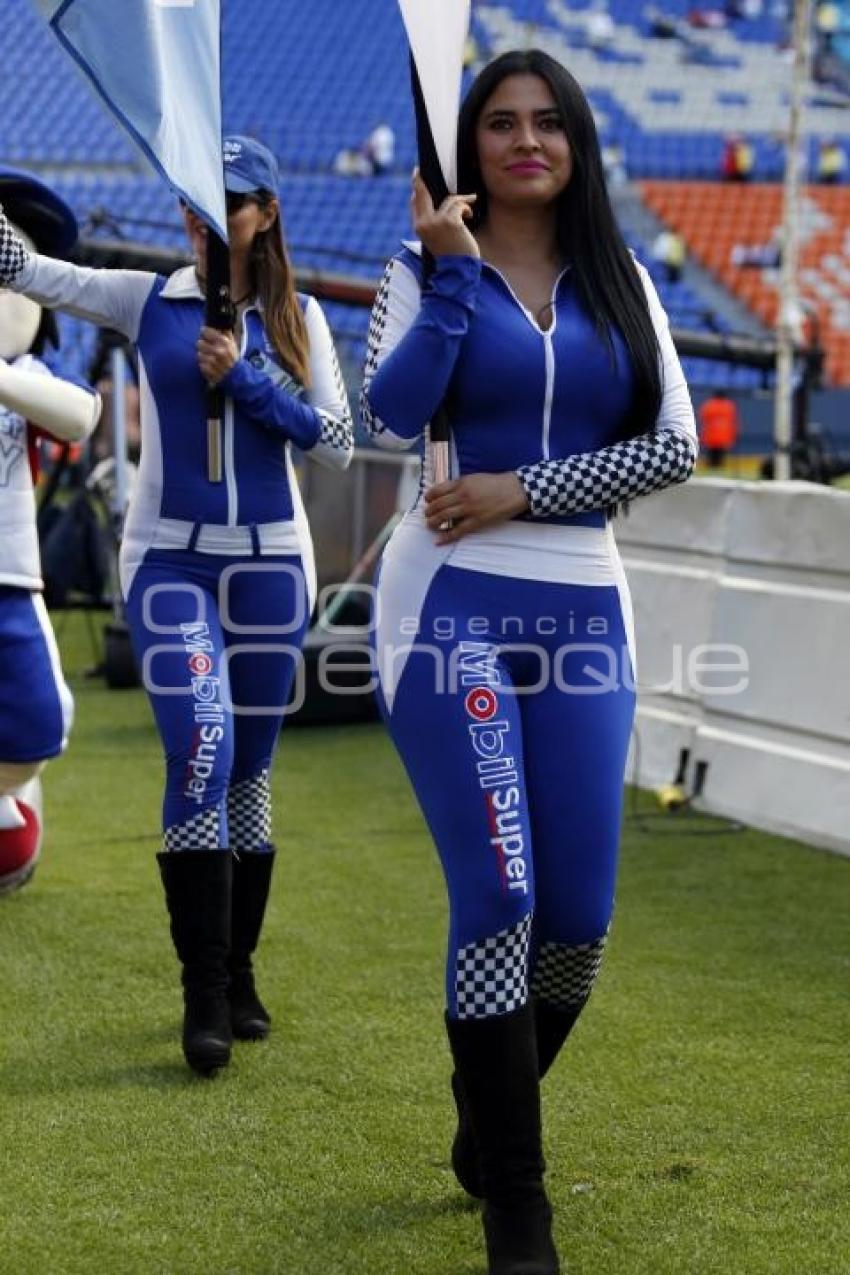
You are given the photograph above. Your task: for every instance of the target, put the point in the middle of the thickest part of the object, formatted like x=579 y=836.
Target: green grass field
x=697 y=1121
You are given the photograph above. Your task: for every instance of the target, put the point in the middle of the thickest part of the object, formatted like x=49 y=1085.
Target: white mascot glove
x=66 y=411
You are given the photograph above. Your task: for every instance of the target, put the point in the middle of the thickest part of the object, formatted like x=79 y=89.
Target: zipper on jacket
x=550 y=391
x=229 y=465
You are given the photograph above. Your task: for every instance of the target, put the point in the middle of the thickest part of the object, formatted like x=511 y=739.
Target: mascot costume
x=35 y=704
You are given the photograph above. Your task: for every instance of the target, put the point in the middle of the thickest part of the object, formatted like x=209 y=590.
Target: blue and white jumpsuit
x=218 y=579
x=506 y=659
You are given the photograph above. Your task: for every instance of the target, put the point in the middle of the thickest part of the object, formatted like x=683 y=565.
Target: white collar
x=183 y=285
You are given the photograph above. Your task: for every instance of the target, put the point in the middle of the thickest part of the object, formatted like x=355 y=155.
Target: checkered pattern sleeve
x=109 y=298
x=334 y=446
x=376 y=348
x=610 y=476
x=14 y=254
x=414 y=341
x=613 y=475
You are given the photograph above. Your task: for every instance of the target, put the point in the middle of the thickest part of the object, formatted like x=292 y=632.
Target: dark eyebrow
x=508 y=112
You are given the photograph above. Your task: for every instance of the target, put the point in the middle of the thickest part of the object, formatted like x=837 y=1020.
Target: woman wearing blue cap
x=217 y=576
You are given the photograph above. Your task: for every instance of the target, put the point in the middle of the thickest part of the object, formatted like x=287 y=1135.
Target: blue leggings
x=512 y=711
x=218 y=640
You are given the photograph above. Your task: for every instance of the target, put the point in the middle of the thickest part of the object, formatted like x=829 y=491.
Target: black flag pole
x=219 y=314
x=431 y=173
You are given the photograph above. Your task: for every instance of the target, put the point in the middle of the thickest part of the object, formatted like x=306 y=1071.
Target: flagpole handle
x=219 y=314
x=215 y=467
x=439 y=453
x=440 y=457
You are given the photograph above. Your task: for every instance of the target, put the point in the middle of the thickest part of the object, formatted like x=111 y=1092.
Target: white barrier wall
x=742 y=611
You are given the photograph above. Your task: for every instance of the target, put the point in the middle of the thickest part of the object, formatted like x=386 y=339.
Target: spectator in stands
x=827 y=23
x=614 y=164
x=530 y=33
x=379 y=149
x=831 y=162
x=706 y=19
x=663 y=26
x=566 y=398
x=738 y=159
x=471 y=56
x=719 y=426
x=215 y=547
x=668 y=249
x=351 y=162
x=600 y=27
x=764 y=256
x=830 y=68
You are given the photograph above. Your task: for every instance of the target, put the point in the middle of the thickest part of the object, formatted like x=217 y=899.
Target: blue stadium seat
x=308 y=94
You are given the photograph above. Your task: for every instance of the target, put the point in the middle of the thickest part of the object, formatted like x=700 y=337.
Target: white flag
x=157 y=65
x=437 y=31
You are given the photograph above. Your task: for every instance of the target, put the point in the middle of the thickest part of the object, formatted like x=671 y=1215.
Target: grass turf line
x=696 y=1123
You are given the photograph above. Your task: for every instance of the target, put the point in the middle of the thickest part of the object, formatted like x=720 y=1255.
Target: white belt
x=550 y=552
x=236 y=542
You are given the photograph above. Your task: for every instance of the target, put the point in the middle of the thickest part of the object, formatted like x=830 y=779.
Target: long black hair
x=589 y=238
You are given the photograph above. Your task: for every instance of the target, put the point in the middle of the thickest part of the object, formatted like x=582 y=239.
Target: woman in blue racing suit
x=504 y=640
x=217 y=573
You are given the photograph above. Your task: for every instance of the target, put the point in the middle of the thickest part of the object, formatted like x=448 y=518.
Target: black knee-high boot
x=198 y=891
x=553 y=1024
x=252 y=874
x=496 y=1064
x=552 y=1027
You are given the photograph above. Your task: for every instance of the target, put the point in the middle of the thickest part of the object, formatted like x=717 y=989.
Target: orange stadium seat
x=713 y=218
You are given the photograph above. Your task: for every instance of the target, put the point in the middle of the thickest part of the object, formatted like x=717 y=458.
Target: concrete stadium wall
x=742 y=611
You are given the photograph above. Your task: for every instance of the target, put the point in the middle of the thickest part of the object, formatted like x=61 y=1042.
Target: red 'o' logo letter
x=481 y=703
x=200 y=664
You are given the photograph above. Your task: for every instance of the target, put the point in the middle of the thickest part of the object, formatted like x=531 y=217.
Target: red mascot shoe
x=20 y=836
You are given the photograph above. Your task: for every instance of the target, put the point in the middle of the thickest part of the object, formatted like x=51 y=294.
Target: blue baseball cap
x=249 y=166
x=39 y=211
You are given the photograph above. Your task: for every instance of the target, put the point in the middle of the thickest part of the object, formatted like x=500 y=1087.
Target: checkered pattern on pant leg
x=600 y=480
x=14 y=253
x=492 y=975
x=201 y=832
x=249 y=813
x=564 y=975
x=377 y=324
